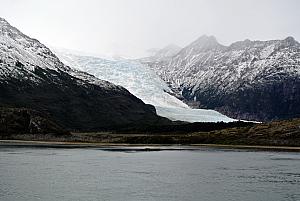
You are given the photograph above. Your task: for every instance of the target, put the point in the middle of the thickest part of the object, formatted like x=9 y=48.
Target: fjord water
x=129 y=174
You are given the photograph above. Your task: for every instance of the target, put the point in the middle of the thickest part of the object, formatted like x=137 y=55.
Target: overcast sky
x=130 y=27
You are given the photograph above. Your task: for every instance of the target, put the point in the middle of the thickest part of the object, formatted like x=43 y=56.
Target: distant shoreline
x=51 y=144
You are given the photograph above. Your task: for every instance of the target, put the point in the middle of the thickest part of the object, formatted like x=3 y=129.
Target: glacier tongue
x=142 y=82
x=192 y=115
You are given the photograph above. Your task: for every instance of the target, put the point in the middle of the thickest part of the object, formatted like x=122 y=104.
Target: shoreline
x=148 y=147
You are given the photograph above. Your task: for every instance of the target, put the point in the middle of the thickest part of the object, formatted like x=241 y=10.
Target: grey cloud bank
x=131 y=27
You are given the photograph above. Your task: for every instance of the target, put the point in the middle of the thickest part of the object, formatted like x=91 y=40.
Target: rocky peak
x=241 y=44
x=16 y=47
x=10 y=31
x=289 y=41
x=204 y=43
x=3 y=21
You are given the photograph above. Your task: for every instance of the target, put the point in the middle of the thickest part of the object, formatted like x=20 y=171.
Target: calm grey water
x=95 y=174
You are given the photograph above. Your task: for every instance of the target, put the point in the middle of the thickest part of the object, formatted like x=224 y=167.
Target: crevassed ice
x=142 y=82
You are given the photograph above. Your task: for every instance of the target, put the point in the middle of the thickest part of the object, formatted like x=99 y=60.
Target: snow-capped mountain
x=20 y=55
x=32 y=76
x=255 y=80
x=142 y=82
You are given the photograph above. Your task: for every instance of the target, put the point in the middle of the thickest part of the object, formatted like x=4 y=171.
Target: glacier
x=249 y=80
x=142 y=82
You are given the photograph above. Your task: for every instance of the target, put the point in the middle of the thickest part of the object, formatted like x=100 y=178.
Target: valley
x=142 y=82
x=62 y=95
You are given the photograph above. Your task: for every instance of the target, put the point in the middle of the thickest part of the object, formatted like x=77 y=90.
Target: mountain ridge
x=32 y=77
x=221 y=77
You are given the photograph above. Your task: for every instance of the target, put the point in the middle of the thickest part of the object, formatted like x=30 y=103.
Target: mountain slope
x=254 y=80
x=165 y=53
x=142 y=82
x=32 y=76
x=26 y=121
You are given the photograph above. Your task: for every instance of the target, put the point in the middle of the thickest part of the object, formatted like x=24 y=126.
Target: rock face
x=254 y=80
x=26 y=121
x=31 y=76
